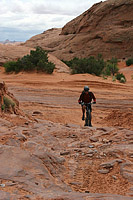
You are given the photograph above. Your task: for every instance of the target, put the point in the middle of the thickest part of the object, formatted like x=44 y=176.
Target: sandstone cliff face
x=106 y=28
x=102 y=16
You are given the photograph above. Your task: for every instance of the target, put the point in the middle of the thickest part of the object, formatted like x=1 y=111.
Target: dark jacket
x=87 y=98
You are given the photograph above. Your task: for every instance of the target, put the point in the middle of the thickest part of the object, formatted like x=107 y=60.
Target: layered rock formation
x=106 y=28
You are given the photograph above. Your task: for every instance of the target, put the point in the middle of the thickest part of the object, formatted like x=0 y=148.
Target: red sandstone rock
x=106 y=28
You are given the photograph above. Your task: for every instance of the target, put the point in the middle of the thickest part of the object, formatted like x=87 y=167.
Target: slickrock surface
x=106 y=28
x=45 y=160
x=12 y=52
x=48 y=154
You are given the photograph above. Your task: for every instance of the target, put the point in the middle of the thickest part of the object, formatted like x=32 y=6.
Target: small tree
x=110 y=69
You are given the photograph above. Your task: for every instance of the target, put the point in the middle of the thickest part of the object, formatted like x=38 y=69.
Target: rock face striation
x=105 y=28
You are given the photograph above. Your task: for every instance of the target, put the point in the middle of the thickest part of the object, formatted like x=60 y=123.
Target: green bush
x=45 y=67
x=113 y=78
x=121 y=77
x=3 y=107
x=89 y=65
x=111 y=67
x=7 y=103
x=129 y=62
x=10 y=66
x=37 y=60
x=104 y=77
x=39 y=54
x=122 y=80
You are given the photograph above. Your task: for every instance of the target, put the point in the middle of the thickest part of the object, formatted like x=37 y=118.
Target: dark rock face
x=106 y=28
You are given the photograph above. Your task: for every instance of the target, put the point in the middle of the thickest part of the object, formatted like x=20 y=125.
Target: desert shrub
x=111 y=67
x=37 y=60
x=45 y=67
x=104 y=77
x=114 y=78
x=89 y=65
x=121 y=77
x=25 y=64
x=3 y=107
x=10 y=66
x=50 y=67
x=7 y=103
x=39 y=54
x=129 y=62
x=122 y=80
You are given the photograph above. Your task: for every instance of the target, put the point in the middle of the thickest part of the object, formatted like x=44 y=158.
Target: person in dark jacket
x=86 y=97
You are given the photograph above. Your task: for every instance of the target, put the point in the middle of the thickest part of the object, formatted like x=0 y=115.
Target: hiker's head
x=86 y=88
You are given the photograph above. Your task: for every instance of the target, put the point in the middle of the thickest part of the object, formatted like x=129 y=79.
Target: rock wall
x=105 y=28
